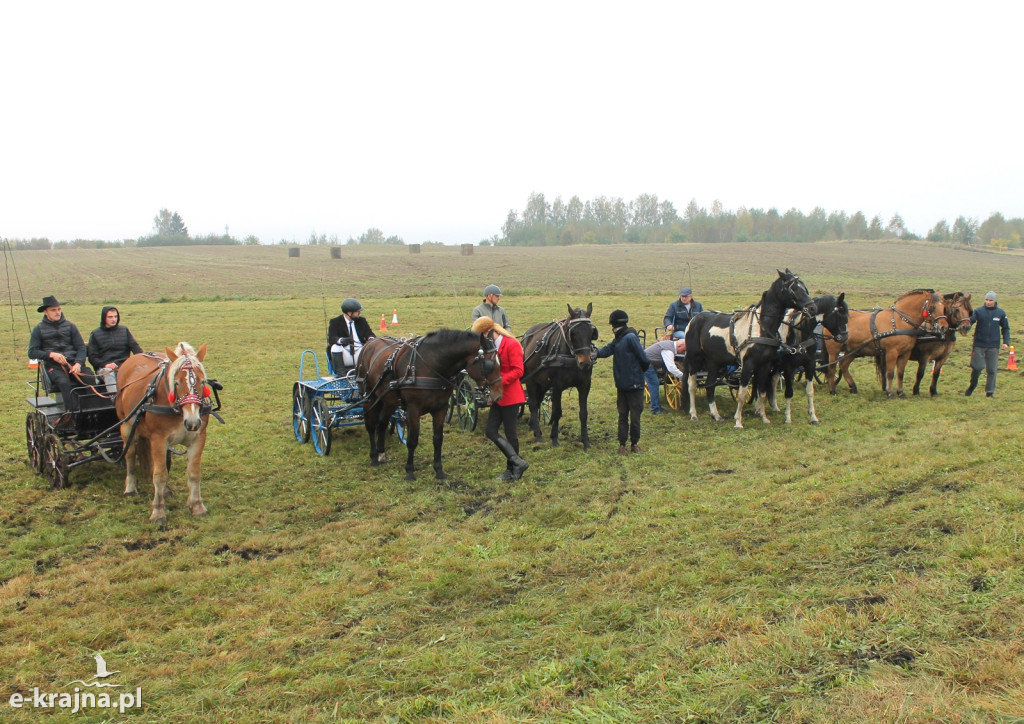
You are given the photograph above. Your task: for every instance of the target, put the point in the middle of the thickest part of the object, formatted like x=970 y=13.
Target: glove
x=345 y=341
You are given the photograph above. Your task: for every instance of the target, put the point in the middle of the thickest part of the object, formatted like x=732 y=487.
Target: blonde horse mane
x=185 y=353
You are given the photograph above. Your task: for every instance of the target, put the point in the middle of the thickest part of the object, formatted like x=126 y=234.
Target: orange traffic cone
x=383 y=327
x=33 y=363
x=394 y=317
x=1011 y=364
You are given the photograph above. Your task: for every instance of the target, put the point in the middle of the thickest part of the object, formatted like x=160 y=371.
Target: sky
x=432 y=120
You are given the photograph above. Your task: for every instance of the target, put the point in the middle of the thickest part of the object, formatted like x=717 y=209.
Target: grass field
x=865 y=569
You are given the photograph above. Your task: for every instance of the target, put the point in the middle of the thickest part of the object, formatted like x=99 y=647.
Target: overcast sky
x=431 y=120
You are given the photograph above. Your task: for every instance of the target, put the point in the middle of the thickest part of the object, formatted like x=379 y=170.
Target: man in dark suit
x=346 y=335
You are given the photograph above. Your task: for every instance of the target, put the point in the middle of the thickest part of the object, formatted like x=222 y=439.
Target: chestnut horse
x=937 y=349
x=419 y=375
x=888 y=335
x=557 y=357
x=150 y=427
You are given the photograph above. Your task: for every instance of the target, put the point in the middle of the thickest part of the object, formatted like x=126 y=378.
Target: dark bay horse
x=151 y=428
x=799 y=351
x=419 y=375
x=749 y=338
x=931 y=348
x=888 y=335
x=556 y=356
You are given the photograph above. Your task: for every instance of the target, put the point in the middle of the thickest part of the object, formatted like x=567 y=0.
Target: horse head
x=485 y=367
x=790 y=292
x=837 y=318
x=187 y=390
x=958 y=311
x=580 y=333
x=934 y=314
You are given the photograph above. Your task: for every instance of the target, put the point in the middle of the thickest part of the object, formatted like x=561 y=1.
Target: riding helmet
x=492 y=289
x=618 y=318
x=351 y=305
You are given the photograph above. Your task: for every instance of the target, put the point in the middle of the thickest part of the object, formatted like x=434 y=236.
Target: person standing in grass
x=505 y=412
x=990 y=321
x=628 y=367
x=489 y=307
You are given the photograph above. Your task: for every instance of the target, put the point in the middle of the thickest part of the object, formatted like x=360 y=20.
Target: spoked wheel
x=545 y=408
x=464 y=402
x=34 y=441
x=673 y=391
x=300 y=413
x=400 y=425
x=320 y=426
x=55 y=464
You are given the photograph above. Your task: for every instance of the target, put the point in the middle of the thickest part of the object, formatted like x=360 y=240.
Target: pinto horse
x=151 y=428
x=935 y=349
x=748 y=338
x=419 y=375
x=888 y=335
x=799 y=350
x=556 y=356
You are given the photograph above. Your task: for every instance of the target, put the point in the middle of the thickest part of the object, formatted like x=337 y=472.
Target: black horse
x=557 y=357
x=419 y=375
x=799 y=349
x=749 y=338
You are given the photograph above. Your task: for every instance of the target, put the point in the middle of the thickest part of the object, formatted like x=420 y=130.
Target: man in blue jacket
x=628 y=369
x=680 y=312
x=990 y=321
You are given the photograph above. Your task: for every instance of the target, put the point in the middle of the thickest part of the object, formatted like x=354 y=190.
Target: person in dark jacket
x=346 y=335
x=110 y=344
x=60 y=349
x=990 y=321
x=680 y=312
x=628 y=367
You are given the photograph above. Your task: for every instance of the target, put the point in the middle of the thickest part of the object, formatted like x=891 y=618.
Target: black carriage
x=323 y=403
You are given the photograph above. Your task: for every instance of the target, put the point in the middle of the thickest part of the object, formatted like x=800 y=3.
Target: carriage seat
x=47 y=384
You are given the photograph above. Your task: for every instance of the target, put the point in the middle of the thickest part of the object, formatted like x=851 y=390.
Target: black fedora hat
x=50 y=301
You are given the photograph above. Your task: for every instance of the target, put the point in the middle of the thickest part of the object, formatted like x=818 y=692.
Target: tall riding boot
x=975 y=374
x=519 y=465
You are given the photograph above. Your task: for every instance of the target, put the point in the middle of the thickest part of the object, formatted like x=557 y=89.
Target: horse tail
x=143 y=459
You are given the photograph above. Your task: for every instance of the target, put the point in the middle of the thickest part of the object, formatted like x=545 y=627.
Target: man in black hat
x=680 y=312
x=59 y=347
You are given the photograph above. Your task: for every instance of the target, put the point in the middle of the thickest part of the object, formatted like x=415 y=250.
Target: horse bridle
x=487 y=365
x=565 y=326
x=192 y=396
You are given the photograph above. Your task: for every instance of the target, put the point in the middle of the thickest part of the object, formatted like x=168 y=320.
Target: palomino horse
x=889 y=336
x=557 y=357
x=151 y=428
x=799 y=351
x=419 y=375
x=937 y=349
x=748 y=338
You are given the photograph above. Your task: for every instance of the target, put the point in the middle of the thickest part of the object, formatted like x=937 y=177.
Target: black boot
x=519 y=465
x=974 y=383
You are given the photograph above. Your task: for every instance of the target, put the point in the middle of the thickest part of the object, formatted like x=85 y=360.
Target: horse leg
x=741 y=396
x=920 y=376
x=412 y=439
x=556 y=413
x=844 y=370
x=691 y=388
x=584 y=394
x=130 y=481
x=438 y=442
x=933 y=390
x=534 y=396
x=901 y=368
x=809 y=387
x=158 y=461
x=370 y=423
x=888 y=373
x=195 y=457
x=762 y=378
x=790 y=372
x=381 y=432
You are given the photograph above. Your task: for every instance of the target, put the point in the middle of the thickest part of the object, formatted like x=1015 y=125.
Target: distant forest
x=647 y=220
x=603 y=220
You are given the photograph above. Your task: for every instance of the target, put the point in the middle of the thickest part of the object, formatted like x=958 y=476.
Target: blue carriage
x=323 y=403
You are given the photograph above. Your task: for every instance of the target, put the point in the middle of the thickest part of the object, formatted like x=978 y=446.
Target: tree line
x=648 y=220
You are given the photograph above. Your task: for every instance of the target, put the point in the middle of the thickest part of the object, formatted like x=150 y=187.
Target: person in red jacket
x=505 y=412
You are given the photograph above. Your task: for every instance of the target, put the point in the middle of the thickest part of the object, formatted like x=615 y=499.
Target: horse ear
x=569 y=307
x=170 y=354
x=202 y=351
x=841 y=297
x=781 y=275
x=590 y=308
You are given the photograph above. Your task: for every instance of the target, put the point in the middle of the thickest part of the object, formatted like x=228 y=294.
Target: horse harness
x=556 y=346
x=174 y=408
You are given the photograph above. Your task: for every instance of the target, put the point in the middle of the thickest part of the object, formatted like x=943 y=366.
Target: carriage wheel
x=545 y=408
x=399 y=424
x=647 y=396
x=674 y=392
x=453 y=401
x=55 y=464
x=34 y=441
x=320 y=425
x=300 y=413
x=466 y=412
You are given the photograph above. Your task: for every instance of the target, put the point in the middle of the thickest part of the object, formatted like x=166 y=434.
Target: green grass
x=865 y=569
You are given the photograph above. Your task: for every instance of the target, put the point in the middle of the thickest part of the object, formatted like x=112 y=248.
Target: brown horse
x=937 y=349
x=889 y=336
x=419 y=375
x=150 y=428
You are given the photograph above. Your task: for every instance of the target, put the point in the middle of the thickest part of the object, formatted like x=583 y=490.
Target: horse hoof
x=158 y=520
x=130 y=493
x=554 y=443
x=441 y=475
x=815 y=422
x=586 y=446
x=198 y=510
x=410 y=477
x=374 y=463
